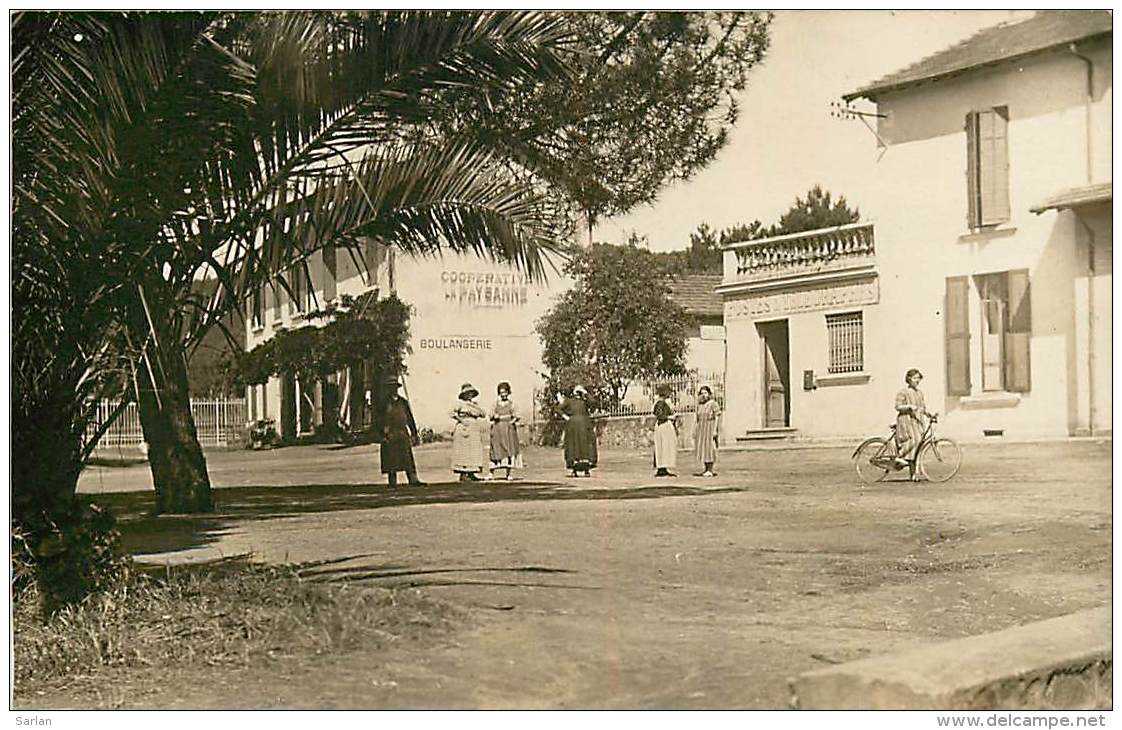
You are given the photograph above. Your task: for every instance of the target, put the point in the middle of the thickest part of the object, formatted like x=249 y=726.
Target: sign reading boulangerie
x=485 y=289
x=804 y=300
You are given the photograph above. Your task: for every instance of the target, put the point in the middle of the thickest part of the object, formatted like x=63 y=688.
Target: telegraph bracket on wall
x=841 y=110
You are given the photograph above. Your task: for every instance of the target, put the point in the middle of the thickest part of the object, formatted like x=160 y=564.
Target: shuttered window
x=296 y=280
x=330 y=274
x=846 y=335
x=1018 y=333
x=957 y=319
x=310 y=300
x=257 y=308
x=373 y=253
x=1004 y=328
x=278 y=300
x=987 y=167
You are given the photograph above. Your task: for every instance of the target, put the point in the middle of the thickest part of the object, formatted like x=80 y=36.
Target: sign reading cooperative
x=485 y=289
x=806 y=300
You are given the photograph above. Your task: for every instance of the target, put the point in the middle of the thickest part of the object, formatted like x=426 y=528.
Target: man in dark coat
x=399 y=435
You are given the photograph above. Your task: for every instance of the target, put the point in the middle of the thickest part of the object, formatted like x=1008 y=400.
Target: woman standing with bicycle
x=911 y=418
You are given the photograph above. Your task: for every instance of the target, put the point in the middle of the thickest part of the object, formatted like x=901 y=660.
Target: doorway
x=776 y=373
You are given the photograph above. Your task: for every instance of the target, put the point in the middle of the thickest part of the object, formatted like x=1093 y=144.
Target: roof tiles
x=695 y=292
x=1043 y=31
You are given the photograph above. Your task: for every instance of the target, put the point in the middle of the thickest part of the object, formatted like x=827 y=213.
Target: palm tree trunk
x=46 y=461
x=178 y=466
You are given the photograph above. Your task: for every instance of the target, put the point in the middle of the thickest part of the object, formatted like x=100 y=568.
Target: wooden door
x=776 y=375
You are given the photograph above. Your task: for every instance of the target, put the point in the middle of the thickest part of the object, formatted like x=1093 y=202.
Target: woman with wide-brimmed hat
x=467 y=444
x=580 y=438
x=399 y=435
x=665 y=434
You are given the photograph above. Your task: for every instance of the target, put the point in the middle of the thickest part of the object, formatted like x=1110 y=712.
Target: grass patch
x=230 y=614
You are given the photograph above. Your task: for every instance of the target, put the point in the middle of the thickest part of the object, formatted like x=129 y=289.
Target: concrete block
x=1060 y=663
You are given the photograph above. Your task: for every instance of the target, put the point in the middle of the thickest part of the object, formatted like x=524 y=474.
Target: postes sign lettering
x=806 y=300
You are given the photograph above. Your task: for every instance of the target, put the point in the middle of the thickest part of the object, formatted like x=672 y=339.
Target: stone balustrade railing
x=803 y=251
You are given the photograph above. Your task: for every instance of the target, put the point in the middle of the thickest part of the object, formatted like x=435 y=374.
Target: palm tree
x=150 y=147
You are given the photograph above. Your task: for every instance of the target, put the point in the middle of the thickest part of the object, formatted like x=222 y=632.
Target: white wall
x=473 y=322
x=922 y=237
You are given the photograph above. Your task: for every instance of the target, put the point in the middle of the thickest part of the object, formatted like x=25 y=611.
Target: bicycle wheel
x=871 y=460
x=940 y=460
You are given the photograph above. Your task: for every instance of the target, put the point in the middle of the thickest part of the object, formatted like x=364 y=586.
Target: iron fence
x=642 y=394
x=218 y=423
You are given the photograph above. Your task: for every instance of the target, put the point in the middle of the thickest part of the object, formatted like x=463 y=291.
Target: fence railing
x=218 y=423
x=642 y=394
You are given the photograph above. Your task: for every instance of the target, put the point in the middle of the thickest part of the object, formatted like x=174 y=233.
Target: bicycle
x=938 y=459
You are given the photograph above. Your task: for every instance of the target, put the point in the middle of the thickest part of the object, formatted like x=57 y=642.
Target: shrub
x=262 y=434
x=61 y=561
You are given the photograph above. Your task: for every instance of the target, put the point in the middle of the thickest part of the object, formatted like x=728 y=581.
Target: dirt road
x=625 y=591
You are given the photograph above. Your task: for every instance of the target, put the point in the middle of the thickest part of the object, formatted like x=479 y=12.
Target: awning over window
x=1076 y=197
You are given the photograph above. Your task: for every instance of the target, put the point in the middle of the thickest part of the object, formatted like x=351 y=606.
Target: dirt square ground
x=627 y=591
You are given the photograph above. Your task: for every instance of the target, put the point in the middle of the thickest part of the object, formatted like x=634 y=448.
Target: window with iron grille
x=847 y=342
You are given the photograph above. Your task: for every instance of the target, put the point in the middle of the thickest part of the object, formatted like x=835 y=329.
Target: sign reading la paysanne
x=485 y=289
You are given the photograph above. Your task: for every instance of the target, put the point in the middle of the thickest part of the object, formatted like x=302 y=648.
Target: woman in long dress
x=467 y=448
x=705 y=434
x=504 y=432
x=665 y=435
x=911 y=419
x=580 y=439
x=399 y=434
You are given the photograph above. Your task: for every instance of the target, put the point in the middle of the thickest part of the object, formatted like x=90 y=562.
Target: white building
x=987 y=264
x=473 y=321
x=705 y=337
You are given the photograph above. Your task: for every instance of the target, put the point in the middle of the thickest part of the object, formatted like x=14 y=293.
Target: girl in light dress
x=505 y=453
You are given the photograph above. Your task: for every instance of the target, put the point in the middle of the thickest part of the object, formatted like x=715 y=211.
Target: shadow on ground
x=145 y=533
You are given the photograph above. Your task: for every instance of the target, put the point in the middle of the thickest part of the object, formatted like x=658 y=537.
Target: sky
x=785 y=140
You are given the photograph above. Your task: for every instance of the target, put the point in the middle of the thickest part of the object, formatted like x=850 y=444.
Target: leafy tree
x=616 y=324
x=653 y=101
x=702 y=257
x=817 y=210
x=149 y=147
x=358 y=330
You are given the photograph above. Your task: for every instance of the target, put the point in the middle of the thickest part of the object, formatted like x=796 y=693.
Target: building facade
x=472 y=321
x=705 y=336
x=987 y=264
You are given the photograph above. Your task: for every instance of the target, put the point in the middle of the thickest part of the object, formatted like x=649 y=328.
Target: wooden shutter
x=1018 y=334
x=993 y=166
x=973 y=209
x=329 y=274
x=957 y=319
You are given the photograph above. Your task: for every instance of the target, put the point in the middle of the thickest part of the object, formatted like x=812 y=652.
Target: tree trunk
x=178 y=466
x=46 y=461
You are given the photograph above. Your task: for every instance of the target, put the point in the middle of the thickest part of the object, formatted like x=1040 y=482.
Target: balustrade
x=807 y=250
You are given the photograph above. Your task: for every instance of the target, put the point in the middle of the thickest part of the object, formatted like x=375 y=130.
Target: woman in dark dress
x=580 y=439
x=399 y=434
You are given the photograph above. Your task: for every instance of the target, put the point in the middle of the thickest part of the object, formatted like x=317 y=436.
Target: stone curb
x=1060 y=663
